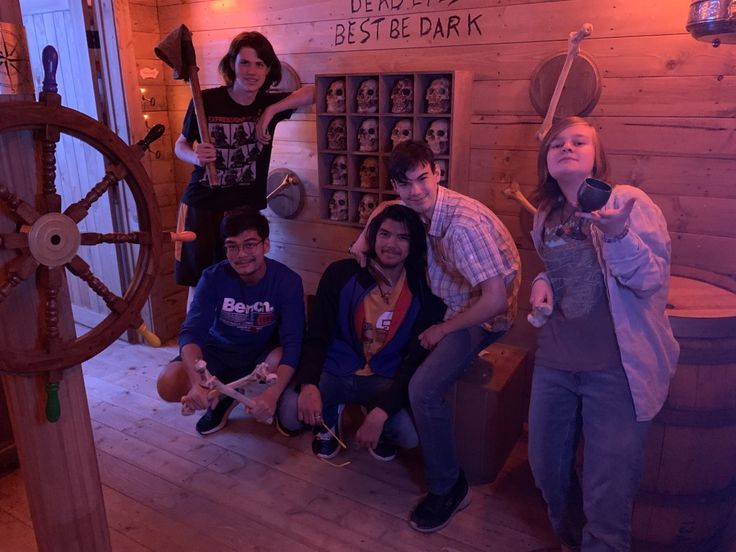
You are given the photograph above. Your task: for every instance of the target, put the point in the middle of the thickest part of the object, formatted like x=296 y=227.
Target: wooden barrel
x=688 y=487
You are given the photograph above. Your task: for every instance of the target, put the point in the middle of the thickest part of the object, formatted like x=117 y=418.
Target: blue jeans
x=427 y=390
x=597 y=515
x=362 y=390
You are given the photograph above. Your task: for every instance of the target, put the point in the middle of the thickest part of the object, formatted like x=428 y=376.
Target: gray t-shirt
x=579 y=335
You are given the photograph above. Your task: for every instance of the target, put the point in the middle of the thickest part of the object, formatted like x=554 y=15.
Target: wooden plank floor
x=249 y=488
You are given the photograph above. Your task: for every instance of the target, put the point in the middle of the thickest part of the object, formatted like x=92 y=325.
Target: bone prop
x=539 y=315
x=513 y=191
x=287 y=181
x=573 y=49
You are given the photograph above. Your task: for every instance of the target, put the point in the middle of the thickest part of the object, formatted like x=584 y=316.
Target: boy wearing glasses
x=246 y=310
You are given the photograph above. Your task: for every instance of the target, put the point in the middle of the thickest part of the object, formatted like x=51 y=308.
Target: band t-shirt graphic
x=241 y=161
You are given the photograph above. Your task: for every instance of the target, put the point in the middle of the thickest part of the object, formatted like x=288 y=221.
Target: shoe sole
x=464 y=503
x=379 y=457
x=223 y=422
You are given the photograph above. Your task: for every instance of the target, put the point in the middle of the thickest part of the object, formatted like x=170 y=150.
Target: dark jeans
x=427 y=390
x=362 y=390
x=597 y=513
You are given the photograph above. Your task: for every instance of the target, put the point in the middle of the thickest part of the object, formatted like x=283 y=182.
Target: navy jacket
x=332 y=344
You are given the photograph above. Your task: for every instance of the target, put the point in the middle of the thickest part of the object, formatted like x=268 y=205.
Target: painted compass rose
x=13 y=59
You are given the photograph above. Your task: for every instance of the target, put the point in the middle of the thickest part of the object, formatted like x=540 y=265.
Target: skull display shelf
x=362 y=116
x=47 y=239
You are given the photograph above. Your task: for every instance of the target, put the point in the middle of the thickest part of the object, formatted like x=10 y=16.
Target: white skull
x=367 y=98
x=367 y=203
x=402 y=96
x=339 y=171
x=368 y=135
x=338 y=205
x=438 y=96
x=441 y=165
x=369 y=173
x=336 y=135
x=437 y=136
x=401 y=132
x=336 y=96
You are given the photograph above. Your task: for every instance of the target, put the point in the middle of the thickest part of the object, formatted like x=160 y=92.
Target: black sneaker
x=435 y=511
x=324 y=444
x=214 y=419
x=385 y=451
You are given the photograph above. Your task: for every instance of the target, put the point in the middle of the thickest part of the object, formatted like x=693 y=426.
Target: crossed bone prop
x=261 y=374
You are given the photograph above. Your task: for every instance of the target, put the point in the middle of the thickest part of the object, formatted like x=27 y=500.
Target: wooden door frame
x=123 y=113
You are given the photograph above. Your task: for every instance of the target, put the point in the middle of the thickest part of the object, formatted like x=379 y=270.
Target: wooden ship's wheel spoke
x=19 y=269
x=16 y=240
x=23 y=210
x=49 y=137
x=93 y=238
x=80 y=269
x=77 y=211
x=51 y=279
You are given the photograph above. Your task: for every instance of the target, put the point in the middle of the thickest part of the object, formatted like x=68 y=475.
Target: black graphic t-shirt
x=242 y=163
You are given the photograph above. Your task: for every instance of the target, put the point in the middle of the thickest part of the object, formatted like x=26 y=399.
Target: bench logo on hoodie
x=248 y=318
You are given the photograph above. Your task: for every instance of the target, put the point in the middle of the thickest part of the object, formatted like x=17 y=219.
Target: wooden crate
x=489 y=407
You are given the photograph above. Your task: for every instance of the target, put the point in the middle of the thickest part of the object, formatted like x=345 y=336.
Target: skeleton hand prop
x=539 y=315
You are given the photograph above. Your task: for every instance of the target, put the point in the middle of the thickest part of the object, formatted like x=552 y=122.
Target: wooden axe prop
x=177 y=51
x=573 y=49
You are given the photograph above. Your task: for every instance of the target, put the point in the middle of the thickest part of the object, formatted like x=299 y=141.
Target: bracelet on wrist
x=617 y=237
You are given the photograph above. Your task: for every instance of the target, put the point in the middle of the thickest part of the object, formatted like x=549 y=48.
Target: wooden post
x=58 y=460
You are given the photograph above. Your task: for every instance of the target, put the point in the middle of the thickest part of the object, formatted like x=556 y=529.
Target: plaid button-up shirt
x=467 y=245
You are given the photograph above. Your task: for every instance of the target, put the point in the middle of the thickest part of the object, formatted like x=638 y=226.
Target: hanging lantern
x=713 y=21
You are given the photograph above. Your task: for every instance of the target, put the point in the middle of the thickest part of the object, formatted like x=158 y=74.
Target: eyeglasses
x=235 y=248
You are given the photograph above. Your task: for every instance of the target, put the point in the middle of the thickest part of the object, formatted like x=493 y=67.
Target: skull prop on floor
x=401 y=132
x=438 y=136
x=338 y=206
x=369 y=173
x=441 y=165
x=335 y=98
x=337 y=138
x=438 y=96
x=367 y=97
x=368 y=135
x=402 y=96
x=339 y=171
x=367 y=203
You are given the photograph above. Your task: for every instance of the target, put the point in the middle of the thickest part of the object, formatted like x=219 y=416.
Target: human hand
x=264 y=405
x=370 y=430
x=198 y=398
x=309 y=405
x=611 y=221
x=542 y=301
x=432 y=336
x=206 y=153
x=262 y=133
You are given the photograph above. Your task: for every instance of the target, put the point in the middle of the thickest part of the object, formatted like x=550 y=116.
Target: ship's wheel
x=47 y=240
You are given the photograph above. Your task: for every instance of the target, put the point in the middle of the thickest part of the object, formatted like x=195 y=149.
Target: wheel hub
x=54 y=239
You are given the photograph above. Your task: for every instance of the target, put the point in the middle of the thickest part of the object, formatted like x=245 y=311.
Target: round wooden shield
x=285 y=193
x=289 y=79
x=582 y=87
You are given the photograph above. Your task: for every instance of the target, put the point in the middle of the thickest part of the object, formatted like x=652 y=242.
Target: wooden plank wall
x=666 y=112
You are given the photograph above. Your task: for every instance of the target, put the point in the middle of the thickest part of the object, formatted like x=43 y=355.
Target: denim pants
x=594 y=514
x=336 y=390
x=427 y=390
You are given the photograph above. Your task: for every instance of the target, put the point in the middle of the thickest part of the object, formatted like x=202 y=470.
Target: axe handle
x=204 y=132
